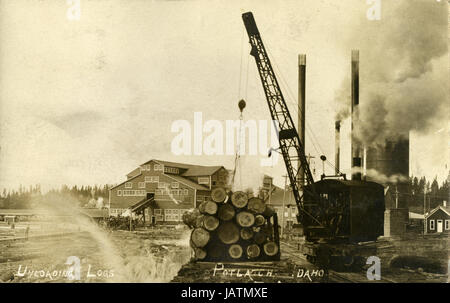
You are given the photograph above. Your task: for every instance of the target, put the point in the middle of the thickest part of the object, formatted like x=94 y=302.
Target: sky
x=86 y=101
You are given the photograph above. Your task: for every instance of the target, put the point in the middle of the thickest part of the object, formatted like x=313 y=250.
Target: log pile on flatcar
x=233 y=227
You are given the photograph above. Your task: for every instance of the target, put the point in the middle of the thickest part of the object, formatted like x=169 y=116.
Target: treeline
x=31 y=197
x=422 y=192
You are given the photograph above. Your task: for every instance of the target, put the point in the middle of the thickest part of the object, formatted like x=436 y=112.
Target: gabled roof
x=201 y=171
x=134 y=172
x=278 y=195
x=128 y=180
x=436 y=209
x=168 y=163
x=191 y=169
x=187 y=182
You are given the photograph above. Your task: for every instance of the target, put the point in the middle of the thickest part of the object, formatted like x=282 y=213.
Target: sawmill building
x=176 y=188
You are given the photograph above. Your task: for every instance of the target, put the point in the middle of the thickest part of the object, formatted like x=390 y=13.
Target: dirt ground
x=103 y=256
x=157 y=255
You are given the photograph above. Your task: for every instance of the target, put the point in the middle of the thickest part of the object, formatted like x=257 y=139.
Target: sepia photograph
x=196 y=141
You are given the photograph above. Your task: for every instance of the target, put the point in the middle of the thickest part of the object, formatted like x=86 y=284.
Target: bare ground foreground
x=119 y=256
x=163 y=255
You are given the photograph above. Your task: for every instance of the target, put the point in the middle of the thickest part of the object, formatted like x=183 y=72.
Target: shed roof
x=416 y=216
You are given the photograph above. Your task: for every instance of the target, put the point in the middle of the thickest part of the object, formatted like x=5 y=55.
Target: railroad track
x=333 y=276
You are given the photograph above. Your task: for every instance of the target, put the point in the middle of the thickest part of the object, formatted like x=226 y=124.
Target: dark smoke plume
x=403 y=71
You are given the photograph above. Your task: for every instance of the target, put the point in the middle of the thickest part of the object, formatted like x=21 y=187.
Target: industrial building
x=282 y=201
x=175 y=187
x=390 y=159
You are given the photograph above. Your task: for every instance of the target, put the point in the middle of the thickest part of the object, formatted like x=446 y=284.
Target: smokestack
x=355 y=145
x=301 y=109
x=337 y=151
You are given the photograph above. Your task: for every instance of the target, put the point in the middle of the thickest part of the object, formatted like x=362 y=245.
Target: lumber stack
x=233 y=227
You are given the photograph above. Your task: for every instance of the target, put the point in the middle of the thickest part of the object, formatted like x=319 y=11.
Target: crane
x=291 y=146
x=336 y=214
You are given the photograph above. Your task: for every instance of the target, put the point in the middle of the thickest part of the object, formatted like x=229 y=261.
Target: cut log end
x=218 y=195
x=260 y=237
x=235 y=251
x=210 y=223
x=200 y=237
x=253 y=251
x=246 y=233
x=259 y=220
x=245 y=219
x=208 y=207
x=200 y=254
x=228 y=233
x=239 y=199
x=270 y=248
x=226 y=212
x=256 y=205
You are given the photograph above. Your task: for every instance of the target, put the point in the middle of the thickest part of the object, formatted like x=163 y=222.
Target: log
x=218 y=195
x=235 y=251
x=269 y=211
x=270 y=248
x=226 y=212
x=245 y=219
x=200 y=254
x=259 y=220
x=228 y=233
x=200 y=237
x=208 y=207
x=246 y=233
x=256 y=205
x=210 y=222
x=201 y=207
x=260 y=237
x=239 y=199
x=189 y=218
x=199 y=221
x=253 y=251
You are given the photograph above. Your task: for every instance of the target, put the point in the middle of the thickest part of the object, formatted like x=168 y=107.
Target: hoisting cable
x=297 y=109
x=237 y=164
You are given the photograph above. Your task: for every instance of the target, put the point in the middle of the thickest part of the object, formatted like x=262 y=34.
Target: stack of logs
x=233 y=227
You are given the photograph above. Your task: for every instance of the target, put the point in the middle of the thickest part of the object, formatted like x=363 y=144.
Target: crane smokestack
x=356 y=146
x=301 y=109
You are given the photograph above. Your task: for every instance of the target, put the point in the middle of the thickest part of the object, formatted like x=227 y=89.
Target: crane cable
x=237 y=159
x=297 y=109
x=237 y=163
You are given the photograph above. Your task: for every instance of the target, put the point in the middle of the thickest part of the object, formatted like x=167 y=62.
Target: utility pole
x=308 y=158
x=396 y=197
x=424 y=198
x=270 y=192
x=283 y=208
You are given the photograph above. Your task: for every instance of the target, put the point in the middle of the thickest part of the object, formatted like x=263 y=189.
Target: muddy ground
x=157 y=255
x=145 y=256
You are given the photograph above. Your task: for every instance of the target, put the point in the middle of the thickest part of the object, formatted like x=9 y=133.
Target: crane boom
x=290 y=144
